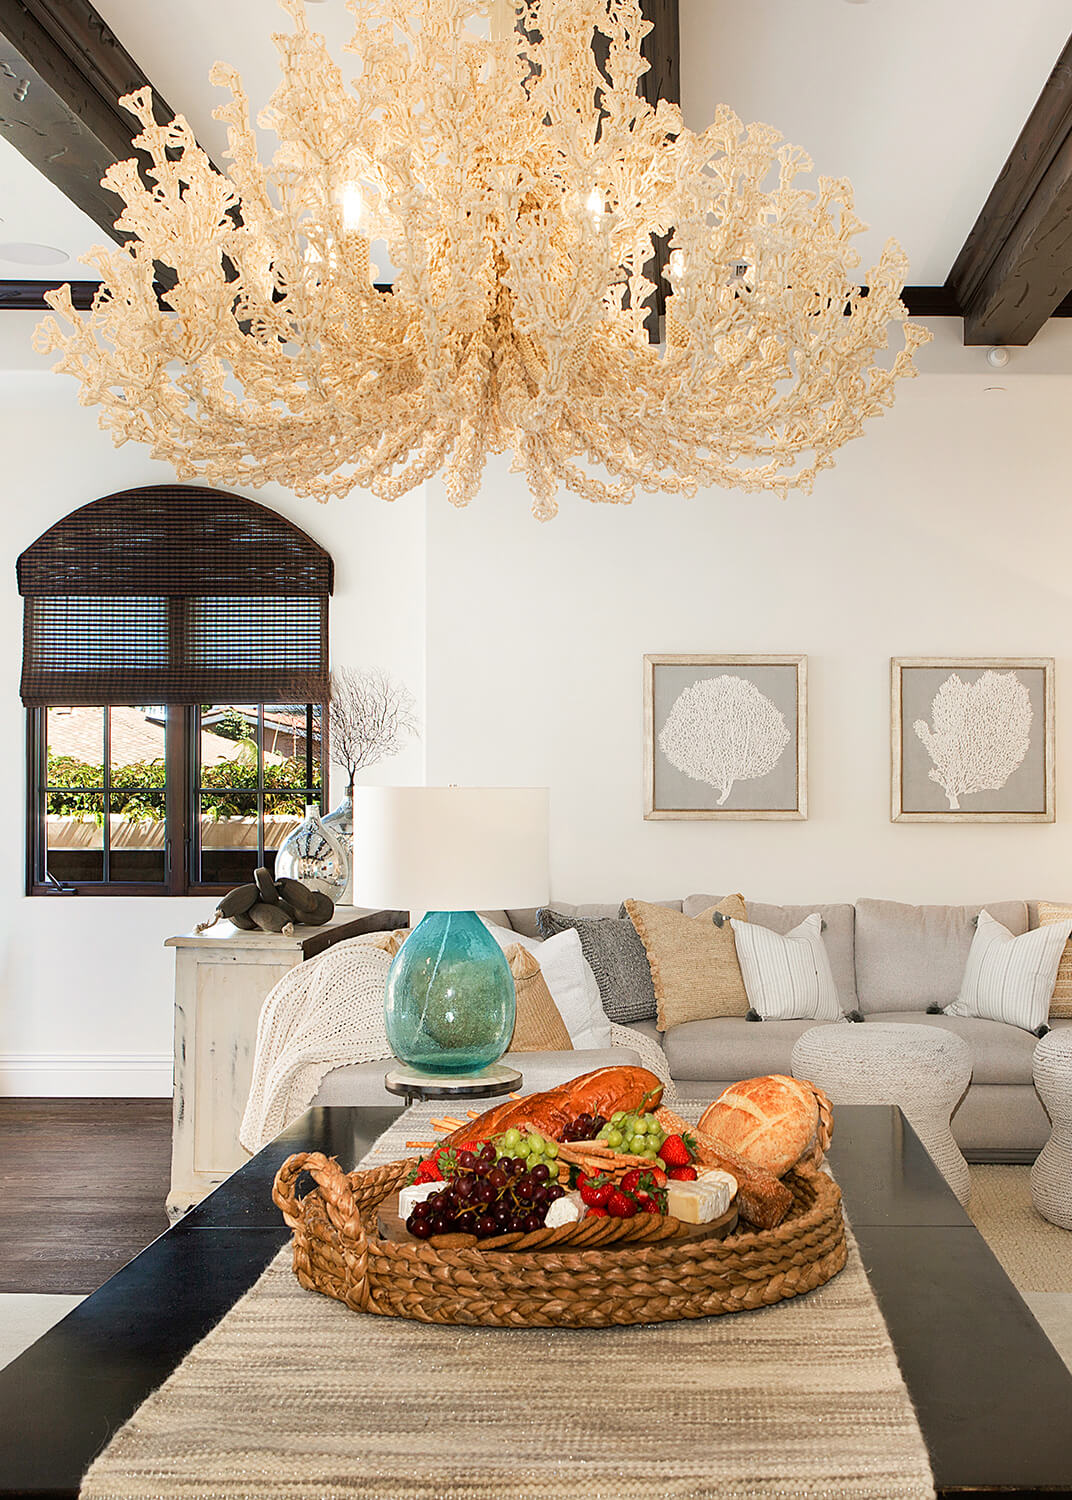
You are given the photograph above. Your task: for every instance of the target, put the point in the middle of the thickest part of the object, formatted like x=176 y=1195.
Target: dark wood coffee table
x=993 y=1397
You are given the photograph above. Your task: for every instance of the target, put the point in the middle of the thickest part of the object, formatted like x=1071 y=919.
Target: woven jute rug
x=1034 y=1253
x=293 y=1394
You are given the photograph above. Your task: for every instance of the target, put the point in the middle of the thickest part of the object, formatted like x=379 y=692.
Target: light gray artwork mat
x=776 y=791
x=1025 y=789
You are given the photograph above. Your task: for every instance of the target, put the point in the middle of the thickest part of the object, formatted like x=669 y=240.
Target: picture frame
x=725 y=737
x=946 y=765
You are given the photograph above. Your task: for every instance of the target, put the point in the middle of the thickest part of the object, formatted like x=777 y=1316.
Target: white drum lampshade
x=450 y=848
x=444 y=851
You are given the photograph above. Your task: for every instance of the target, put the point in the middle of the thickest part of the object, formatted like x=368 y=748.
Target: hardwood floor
x=82 y=1188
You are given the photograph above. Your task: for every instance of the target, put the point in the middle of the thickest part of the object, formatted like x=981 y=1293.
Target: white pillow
x=1011 y=978
x=571 y=982
x=787 y=978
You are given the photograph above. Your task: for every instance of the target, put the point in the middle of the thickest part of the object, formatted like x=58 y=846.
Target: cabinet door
x=228 y=995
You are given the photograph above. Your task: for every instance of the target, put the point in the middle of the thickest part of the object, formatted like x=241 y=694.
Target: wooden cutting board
x=392 y=1227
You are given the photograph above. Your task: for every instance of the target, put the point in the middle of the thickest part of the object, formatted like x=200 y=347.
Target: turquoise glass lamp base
x=449 y=1006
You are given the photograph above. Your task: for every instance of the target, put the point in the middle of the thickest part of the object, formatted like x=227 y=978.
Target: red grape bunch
x=486 y=1197
x=584 y=1128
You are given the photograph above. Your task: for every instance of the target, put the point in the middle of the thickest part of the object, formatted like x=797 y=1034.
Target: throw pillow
x=1061 y=999
x=617 y=959
x=539 y=1026
x=788 y=978
x=571 y=982
x=692 y=960
x=1010 y=978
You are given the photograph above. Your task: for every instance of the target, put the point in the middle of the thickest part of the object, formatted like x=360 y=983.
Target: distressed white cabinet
x=221 y=979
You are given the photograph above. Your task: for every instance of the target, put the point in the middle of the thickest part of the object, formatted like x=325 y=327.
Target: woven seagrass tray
x=651 y=1277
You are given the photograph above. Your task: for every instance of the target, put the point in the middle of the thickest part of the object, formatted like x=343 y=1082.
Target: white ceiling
x=918 y=102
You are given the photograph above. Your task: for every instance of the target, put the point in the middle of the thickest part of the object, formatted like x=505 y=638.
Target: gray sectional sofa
x=891 y=962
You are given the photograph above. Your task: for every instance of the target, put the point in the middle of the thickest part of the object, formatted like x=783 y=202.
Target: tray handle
x=826 y=1119
x=341 y=1208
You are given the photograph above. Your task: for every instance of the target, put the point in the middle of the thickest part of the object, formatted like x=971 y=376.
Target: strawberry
x=596 y=1213
x=620 y=1205
x=594 y=1190
x=677 y=1150
x=658 y=1176
x=631 y=1181
x=439 y=1166
x=683 y=1174
x=650 y=1206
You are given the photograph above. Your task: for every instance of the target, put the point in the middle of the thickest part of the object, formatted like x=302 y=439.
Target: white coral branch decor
x=722 y=730
x=981 y=733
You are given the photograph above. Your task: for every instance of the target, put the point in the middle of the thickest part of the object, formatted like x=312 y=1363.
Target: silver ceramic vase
x=341 y=822
x=315 y=855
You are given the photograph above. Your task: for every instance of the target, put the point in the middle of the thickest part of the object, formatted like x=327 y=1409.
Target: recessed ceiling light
x=995 y=390
x=25 y=254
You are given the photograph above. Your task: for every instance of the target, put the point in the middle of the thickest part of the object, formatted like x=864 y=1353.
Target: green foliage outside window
x=137 y=789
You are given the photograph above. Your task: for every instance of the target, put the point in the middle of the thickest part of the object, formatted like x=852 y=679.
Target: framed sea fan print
x=972 y=740
x=726 y=737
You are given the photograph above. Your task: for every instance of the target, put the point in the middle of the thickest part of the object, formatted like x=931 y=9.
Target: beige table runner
x=293 y=1394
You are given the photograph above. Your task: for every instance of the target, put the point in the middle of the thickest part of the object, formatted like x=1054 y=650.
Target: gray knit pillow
x=617 y=959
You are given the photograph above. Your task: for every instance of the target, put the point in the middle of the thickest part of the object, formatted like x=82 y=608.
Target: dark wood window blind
x=215 y=610
x=174 y=594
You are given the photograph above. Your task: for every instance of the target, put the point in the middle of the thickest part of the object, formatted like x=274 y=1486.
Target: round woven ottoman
x=1051 y=1176
x=921 y=1068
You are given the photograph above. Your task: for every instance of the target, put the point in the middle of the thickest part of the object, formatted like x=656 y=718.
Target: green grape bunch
x=633 y=1134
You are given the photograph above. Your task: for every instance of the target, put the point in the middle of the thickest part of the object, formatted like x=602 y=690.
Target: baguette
x=601 y=1092
x=763 y=1200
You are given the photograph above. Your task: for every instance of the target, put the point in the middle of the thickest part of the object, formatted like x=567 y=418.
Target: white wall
x=85 y=983
x=945 y=530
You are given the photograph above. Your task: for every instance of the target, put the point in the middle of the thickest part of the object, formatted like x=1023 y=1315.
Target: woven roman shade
x=174 y=594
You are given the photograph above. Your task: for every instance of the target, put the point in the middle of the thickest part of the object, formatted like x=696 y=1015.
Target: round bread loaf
x=771 y=1121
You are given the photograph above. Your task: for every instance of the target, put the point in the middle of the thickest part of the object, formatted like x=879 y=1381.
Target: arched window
x=175 y=668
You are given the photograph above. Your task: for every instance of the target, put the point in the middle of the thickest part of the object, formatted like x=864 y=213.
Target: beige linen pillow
x=693 y=962
x=1061 y=1002
x=539 y=1026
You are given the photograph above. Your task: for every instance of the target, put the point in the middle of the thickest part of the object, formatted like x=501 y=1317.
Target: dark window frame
x=180 y=808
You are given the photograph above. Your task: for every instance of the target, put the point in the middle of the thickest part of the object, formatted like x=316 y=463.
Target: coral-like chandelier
x=515 y=190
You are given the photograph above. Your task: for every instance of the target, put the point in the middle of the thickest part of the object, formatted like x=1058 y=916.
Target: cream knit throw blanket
x=322 y=1015
x=328 y=1013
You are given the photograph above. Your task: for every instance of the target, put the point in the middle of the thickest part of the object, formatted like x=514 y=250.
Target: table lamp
x=443 y=852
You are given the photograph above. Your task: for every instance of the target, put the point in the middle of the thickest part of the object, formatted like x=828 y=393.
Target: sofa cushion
x=729 y=1048
x=1061 y=1000
x=648 y=1029
x=538 y=1023
x=523 y=919
x=838 y=925
x=1000 y=1053
x=1008 y=978
x=910 y=957
x=616 y=957
x=788 y=976
x=693 y=961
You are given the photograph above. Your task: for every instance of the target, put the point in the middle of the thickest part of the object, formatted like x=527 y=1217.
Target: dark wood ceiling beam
x=62 y=71
x=1016 y=265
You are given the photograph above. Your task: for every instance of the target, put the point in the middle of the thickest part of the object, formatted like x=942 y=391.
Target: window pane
x=227 y=826
x=138 y=833
x=283 y=812
x=228 y=733
x=137 y=739
x=74 y=835
x=75 y=738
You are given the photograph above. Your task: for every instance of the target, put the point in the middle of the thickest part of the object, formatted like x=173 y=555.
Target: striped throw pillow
x=787 y=978
x=1061 y=999
x=1010 y=978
